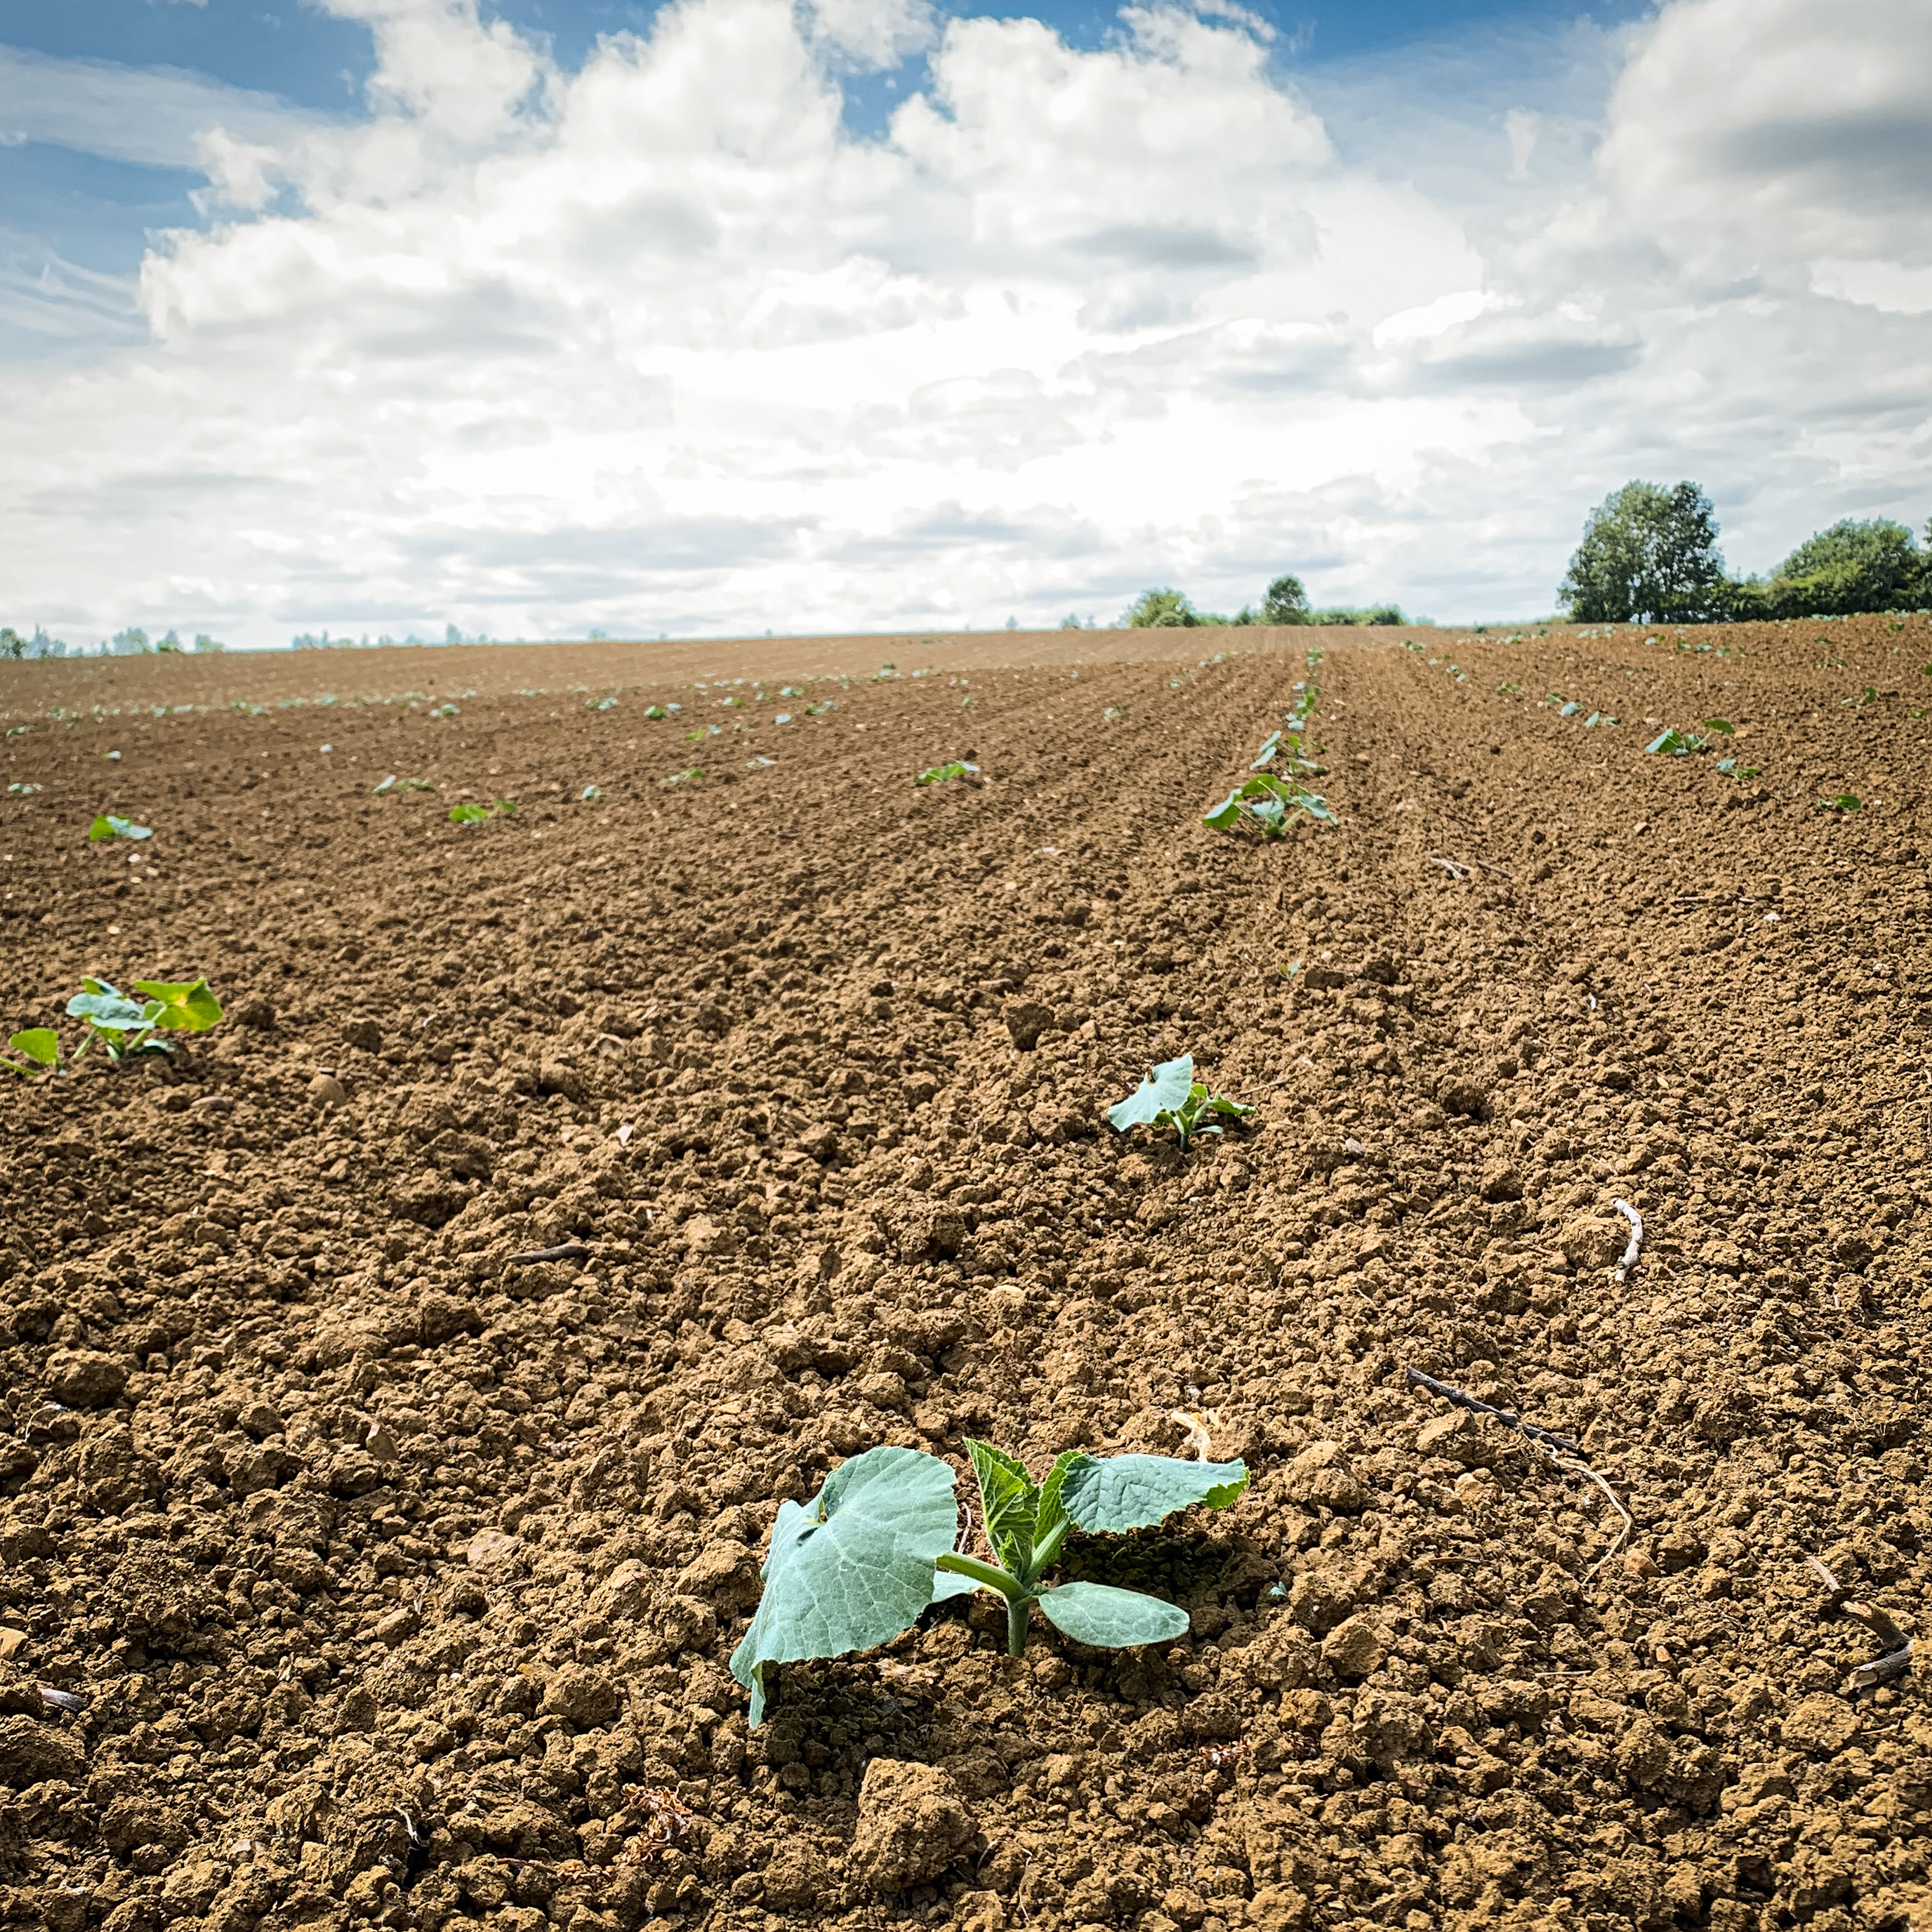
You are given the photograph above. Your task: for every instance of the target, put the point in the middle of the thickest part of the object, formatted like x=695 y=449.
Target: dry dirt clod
x=84 y=1378
x=913 y=1824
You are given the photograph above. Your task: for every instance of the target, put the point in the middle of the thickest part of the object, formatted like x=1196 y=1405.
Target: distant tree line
x=1284 y=601
x=132 y=643
x=1650 y=555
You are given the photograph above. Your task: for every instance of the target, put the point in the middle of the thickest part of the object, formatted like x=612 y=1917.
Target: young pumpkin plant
x=125 y=1026
x=1172 y=1096
x=859 y=1563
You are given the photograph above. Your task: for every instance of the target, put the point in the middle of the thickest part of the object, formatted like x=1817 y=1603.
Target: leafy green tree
x=1285 y=601
x=203 y=642
x=1852 y=567
x=1649 y=553
x=12 y=644
x=1162 y=610
x=131 y=642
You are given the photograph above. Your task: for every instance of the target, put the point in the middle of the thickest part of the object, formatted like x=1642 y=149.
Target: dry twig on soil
x=1562 y=1450
x=565 y=1251
x=1897 y=1659
x=1454 y=868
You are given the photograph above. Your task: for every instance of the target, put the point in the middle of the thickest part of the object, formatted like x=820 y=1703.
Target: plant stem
x=989 y=1574
x=1019 y=1609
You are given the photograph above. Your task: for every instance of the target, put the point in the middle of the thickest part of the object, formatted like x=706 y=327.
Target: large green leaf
x=1009 y=1502
x=1111 y=1619
x=186 y=1005
x=854 y=1567
x=1165 y=1092
x=1131 y=1492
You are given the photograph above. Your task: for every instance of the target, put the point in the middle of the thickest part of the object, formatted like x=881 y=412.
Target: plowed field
x=389 y=1579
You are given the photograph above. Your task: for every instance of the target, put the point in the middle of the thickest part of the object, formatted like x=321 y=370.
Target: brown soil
x=396 y=1580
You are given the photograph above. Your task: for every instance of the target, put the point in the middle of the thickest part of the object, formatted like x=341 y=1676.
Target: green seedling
x=125 y=1026
x=469 y=814
x=1845 y=802
x=41 y=1044
x=944 y=774
x=655 y=711
x=393 y=784
x=25 y=791
x=1109 y=716
x=443 y=711
x=791 y=690
x=589 y=792
x=875 y=1548
x=108 y=826
x=1172 y=1096
x=1675 y=744
x=1867 y=696
x=683 y=778
x=600 y=704
x=1271 y=805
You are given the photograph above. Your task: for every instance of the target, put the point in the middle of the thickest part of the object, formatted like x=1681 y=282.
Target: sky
x=725 y=316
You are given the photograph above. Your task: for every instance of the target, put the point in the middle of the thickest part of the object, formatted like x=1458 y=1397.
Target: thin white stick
x=1636 y=1221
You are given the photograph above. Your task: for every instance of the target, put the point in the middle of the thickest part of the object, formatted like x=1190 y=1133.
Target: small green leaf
x=1111 y=1619
x=1052 y=1511
x=944 y=774
x=854 y=1567
x=110 y=1011
x=1720 y=725
x=1009 y=1503
x=41 y=1044
x=1226 y=816
x=1219 y=1103
x=1271 y=745
x=469 y=814
x=1165 y=1091
x=108 y=826
x=188 y=1006
x=1845 y=802
x=1125 y=1492
x=655 y=711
